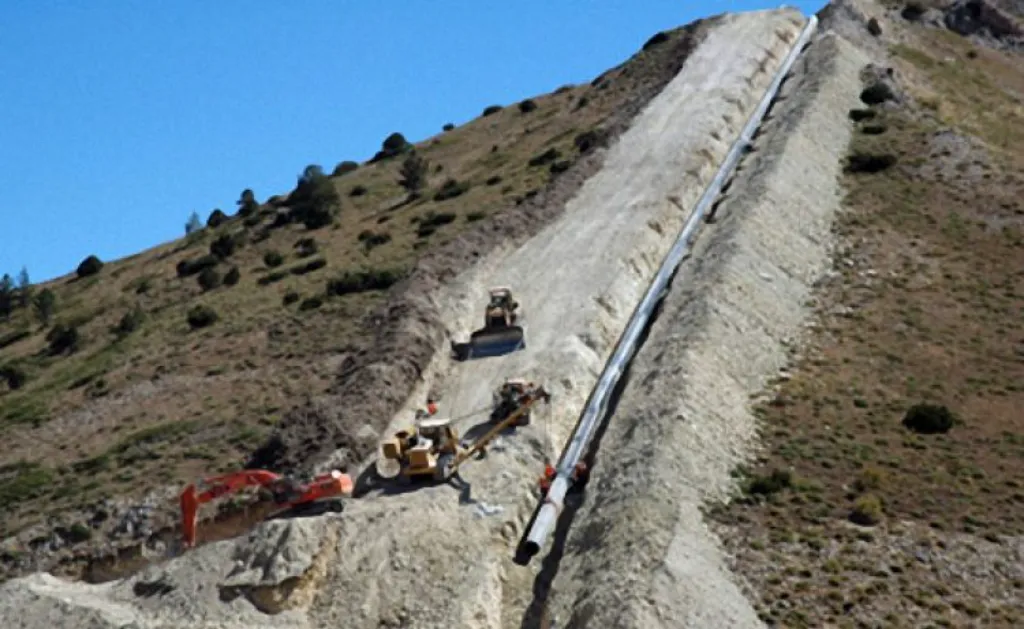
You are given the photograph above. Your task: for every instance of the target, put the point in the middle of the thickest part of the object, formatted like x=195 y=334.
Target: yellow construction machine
x=431 y=449
x=501 y=333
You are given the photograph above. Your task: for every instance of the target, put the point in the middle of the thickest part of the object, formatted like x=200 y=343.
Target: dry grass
x=875 y=523
x=166 y=403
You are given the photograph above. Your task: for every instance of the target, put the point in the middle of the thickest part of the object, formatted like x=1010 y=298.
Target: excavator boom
x=287 y=493
x=512 y=418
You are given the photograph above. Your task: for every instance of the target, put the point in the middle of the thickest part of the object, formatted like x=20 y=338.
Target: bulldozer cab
x=501 y=297
x=438 y=431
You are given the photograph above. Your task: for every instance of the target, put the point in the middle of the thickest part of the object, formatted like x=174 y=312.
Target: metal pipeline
x=551 y=506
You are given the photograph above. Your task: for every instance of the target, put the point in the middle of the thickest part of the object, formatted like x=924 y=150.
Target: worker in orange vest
x=579 y=473
x=431 y=409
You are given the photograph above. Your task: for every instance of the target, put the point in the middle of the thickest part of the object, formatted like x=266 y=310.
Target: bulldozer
x=501 y=333
x=508 y=398
x=431 y=449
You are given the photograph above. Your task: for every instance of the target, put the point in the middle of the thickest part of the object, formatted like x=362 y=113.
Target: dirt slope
x=434 y=557
x=683 y=422
x=130 y=417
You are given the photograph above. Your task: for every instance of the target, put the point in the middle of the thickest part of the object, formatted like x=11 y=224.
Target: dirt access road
x=438 y=557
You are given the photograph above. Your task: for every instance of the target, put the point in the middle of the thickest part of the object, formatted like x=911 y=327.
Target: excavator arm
x=197 y=494
x=530 y=399
x=286 y=492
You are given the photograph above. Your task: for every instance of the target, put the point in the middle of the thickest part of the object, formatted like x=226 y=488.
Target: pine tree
x=24 y=288
x=193 y=224
x=6 y=296
x=414 y=174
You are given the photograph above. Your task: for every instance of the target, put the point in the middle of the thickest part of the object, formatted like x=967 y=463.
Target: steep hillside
x=441 y=555
x=889 y=490
x=128 y=389
x=821 y=428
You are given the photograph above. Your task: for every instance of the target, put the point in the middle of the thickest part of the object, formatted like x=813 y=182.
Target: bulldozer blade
x=484 y=343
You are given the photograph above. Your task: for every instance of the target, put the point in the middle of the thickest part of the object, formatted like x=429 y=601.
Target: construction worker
x=430 y=411
x=579 y=473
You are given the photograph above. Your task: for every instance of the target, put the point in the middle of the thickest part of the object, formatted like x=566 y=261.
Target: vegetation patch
x=89 y=266
x=23 y=481
x=308 y=267
x=363 y=281
x=201 y=316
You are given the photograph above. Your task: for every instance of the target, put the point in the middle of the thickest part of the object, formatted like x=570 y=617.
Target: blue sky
x=118 y=118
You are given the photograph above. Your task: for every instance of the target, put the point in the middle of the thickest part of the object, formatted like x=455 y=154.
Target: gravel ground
x=437 y=557
x=642 y=555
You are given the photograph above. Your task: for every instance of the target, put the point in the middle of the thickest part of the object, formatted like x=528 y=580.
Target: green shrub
x=560 y=166
x=311 y=303
x=655 y=40
x=314 y=200
x=273 y=259
x=90 y=266
x=186 y=267
x=394 y=144
x=857 y=115
x=773 y=483
x=547 y=157
x=357 y=190
x=223 y=246
x=363 y=281
x=929 y=419
x=306 y=247
x=345 y=168
x=201 y=316
x=413 y=174
x=591 y=139
x=23 y=481
x=63 y=339
x=869 y=162
x=877 y=93
x=308 y=267
x=14 y=375
x=867 y=510
x=492 y=109
x=209 y=279
x=290 y=298
x=216 y=219
x=582 y=102
x=270 y=278
x=247 y=203
x=913 y=11
x=232 y=276
x=450 y=189
x=130 y=322
x=448 y=127
x=473 y=217
x=526 y=106
x=76 y=533
x=493 y=180
x=429 y=222
x=252 y=220
x=371 y=239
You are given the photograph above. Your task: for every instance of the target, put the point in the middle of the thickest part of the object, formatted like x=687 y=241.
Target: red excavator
x=288 y=494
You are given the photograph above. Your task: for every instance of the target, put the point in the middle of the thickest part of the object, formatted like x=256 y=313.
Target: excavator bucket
x=496 y=341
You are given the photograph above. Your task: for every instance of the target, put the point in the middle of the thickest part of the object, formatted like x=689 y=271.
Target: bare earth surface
x=866 y=257
x=609 y=242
